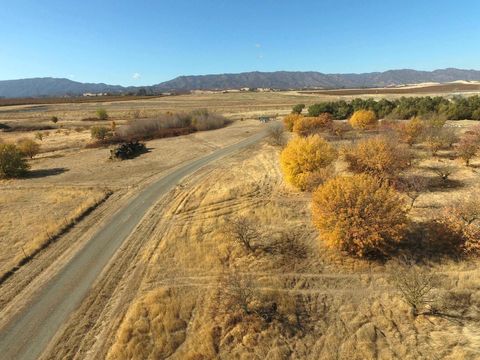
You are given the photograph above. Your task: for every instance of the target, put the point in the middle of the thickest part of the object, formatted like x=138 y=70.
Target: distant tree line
x=458 y=108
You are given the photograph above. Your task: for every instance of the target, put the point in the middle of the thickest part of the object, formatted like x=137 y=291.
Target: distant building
x=95 y=94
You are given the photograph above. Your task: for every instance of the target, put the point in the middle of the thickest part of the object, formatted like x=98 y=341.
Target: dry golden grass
x=328 y=306
x=30 y=217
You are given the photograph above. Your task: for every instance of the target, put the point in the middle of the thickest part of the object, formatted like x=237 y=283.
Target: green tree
x=12 y=161
x=297 y=109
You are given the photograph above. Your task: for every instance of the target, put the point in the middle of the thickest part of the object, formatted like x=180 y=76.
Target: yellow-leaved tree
x=305 y=161
x=359 y=214
x=290 y=120
x=378 y=156
x=363 y=119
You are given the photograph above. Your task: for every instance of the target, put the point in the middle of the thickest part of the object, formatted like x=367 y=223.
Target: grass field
x=173 y=290
x=31 y=218
x=329 y=305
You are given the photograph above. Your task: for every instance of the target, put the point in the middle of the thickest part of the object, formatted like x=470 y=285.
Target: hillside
x=38 y=87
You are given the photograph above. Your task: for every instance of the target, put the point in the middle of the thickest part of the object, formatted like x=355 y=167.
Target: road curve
x=30 y=331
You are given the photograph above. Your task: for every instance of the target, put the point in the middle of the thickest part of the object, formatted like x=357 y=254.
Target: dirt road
x=27 y=335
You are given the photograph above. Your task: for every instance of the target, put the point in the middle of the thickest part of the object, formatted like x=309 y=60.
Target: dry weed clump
x=170 y=124
x=378 y=156
x=304 y=160
x=276 y=134
x=154 y=326
x=359 y=214
x=244 y=312
x=29 y=147
x=311 y=125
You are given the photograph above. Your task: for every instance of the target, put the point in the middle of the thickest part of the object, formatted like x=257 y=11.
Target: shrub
x=203 y=120
x=359 y=214
x=54 y=119
x=12 y=161
x=378 y=156
x=467 y=148
x=28 y=147
x=39 y=136
x=170 y=124
x=290 y=120
x=297 y=109
x=99 y=132
x=303 y=158
x=310 y=125
x=411 y=131
x=102 y=114
x=340 y=129
x=276 y=133
x=462 y=219
x=363 y=119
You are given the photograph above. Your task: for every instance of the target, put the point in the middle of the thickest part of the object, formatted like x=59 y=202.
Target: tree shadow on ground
x=40 y=173
x=440 y=185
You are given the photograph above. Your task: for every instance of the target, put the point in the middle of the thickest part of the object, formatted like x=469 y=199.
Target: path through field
x=29 y=332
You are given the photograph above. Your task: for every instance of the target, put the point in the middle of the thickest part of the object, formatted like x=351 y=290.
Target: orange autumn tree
x=359 y=214
x=363 y=119
x=290 y=120
x=411 y=131
x=310 y=125
x=378 y=156
x=305 y=160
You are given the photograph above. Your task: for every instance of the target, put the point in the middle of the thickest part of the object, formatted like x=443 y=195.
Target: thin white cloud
x=258 y=46
x=136 y=76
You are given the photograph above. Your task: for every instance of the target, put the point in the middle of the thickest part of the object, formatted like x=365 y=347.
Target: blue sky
x=146 y=42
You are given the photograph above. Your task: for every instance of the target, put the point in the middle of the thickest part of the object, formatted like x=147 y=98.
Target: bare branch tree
x=242 y=230
x=413 y=186
x=444 y=171
x=414 y=283
x=276 y=133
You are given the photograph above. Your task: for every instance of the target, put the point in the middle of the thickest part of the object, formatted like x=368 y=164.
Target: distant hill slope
x=299 y=80
x=38 y=87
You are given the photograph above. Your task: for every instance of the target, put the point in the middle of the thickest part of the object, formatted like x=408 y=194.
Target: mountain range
x=54 y=87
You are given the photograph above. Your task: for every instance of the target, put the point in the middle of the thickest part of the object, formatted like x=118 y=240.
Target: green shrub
x=99 y=132
x=12 y=161
x=297 y=109
x=102 y=114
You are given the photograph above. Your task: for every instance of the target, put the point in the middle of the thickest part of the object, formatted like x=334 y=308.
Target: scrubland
x=205 y=295
x=229 y=264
